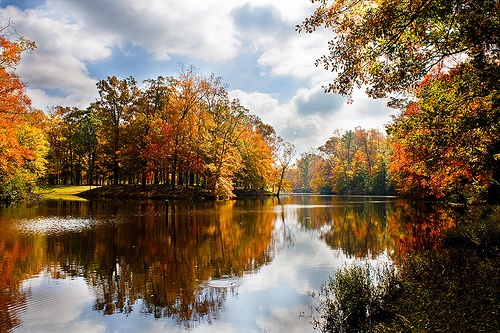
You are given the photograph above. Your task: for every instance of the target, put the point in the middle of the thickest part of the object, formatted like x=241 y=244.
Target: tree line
x=438 y=62
x=185 y=131
x=350 y=162
x=181 y=131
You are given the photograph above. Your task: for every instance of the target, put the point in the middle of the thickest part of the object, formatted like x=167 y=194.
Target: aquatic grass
x=447 y=292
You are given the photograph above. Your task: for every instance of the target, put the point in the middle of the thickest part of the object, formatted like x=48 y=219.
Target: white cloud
x=201 y=30
x=283 y=51
x=58 y=64
x=43 y=101
x=295 y=56
x=268 y=299
x=71 y=294
x=309 y=118
x=304 y=131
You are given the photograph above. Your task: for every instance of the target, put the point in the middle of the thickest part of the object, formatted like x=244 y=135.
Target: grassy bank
x=62 y=192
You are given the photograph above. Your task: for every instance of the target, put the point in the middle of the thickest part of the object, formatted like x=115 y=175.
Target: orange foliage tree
x=22 y=140
x=447 y=143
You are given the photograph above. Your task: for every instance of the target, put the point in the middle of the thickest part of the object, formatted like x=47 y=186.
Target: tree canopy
x=447 y=143
x=177 y=131
x=389 y=46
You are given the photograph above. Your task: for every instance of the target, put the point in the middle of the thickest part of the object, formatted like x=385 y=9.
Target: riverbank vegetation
x=452 y=287
x=438 y=63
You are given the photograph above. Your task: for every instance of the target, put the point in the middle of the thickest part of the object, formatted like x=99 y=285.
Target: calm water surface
x=243 y=266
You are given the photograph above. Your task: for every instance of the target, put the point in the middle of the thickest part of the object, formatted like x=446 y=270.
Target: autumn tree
x=22 y=141
x=303 y=172
x=447 y=143
x=182 y=121
x=257 y=171
x=223 y=130
x=152 y=108
x=115 y=106
x=321 y=180
x=60 y=147
x=389 y=46
x=372 y=151
x=73 y=141
x=86 y=142
x=234 y=145
x=342 y=163
x=284 y=153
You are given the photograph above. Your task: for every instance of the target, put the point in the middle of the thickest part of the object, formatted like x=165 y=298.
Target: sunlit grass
x=62 y=192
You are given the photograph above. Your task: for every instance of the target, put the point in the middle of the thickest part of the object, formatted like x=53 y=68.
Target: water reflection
x=132 y=252
x=416 y=227
x=183 y=260
x=356 y=225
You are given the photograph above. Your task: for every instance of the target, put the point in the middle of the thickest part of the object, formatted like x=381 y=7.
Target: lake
x=237 y=266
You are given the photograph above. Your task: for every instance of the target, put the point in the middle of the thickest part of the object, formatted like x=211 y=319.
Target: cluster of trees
x=352 y=162
x=170 y=130
x=447 y=142
x=441 y=59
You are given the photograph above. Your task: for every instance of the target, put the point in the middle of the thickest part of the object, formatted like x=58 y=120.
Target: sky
x=251 y=44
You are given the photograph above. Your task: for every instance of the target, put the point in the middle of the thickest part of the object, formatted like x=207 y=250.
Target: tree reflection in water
x=355 y=225
x=160 y=259
x=138 y=256
x=366 y=227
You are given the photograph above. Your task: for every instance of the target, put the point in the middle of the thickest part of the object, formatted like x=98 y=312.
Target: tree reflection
x=157 y=258
x=355 y=225
x=141 y=255
x=419 y=226
x=366 y=227
x=10 y=277
x=19 y=259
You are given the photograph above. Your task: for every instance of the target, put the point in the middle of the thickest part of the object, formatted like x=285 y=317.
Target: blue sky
x=251 y=44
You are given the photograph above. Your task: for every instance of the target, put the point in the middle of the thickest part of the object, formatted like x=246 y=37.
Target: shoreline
x=153 y=192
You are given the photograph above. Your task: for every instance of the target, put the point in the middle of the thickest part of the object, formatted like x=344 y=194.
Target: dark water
x=242 y=266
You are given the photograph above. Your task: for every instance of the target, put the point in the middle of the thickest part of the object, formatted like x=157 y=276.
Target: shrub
x=357 y=298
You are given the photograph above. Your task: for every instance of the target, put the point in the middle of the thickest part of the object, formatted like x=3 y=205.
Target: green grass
x=63 y=192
